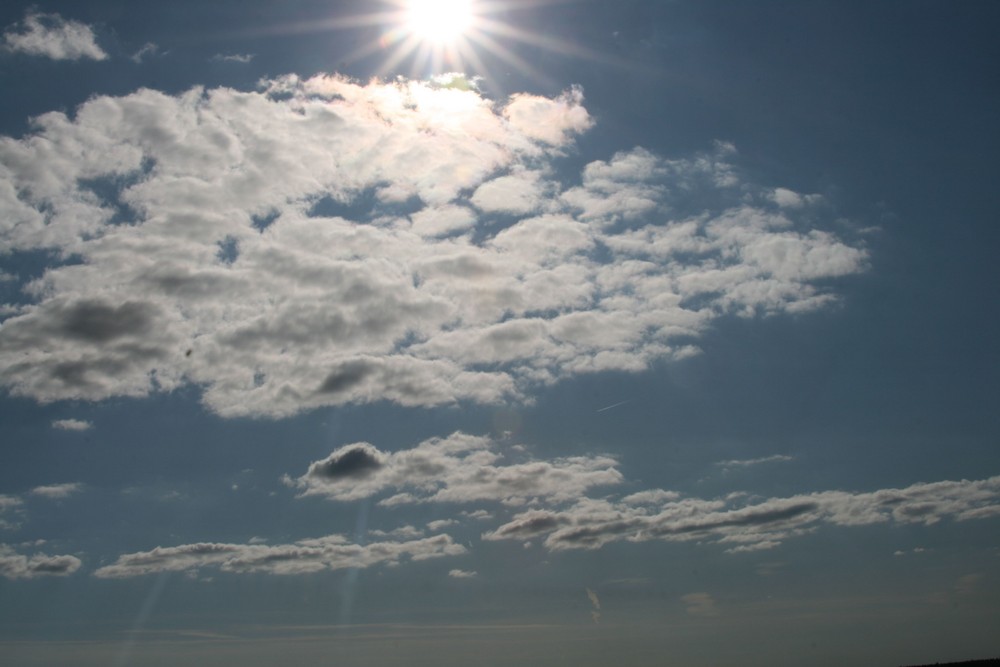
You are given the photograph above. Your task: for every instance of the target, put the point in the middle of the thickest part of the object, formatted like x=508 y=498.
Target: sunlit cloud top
x=221 y=244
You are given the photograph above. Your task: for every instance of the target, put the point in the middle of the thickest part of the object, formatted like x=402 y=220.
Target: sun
x=439 y=21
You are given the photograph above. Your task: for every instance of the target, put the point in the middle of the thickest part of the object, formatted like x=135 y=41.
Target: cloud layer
x=553 y=503
x=747 y=526
x=333 y=552
x=556 y=503
x=322 y=242
x=459 y=469
x=52 y=36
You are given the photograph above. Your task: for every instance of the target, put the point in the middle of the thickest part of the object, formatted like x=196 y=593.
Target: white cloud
x=551 y=121
x=786 y=198
x=72 y=425
x=592 y=523
x=227 y=278
x=462 y=574
x=57 y=491
x=18 y=566
x=519 y=193
x=333 y=552
x=52 y=36
x=459 y=469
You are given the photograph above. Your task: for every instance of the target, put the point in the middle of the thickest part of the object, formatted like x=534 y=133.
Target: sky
x=554 y=332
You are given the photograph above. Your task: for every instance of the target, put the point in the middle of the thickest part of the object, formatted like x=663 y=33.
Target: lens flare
x=439 y=21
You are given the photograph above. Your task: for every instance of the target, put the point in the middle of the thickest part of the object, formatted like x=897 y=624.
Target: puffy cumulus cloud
x=458 y=469
x=72 y=425
x=52 y=36
x=333 y=552
x=592 y=523
x=57 y=491
x=323 y=242
x=14 y=565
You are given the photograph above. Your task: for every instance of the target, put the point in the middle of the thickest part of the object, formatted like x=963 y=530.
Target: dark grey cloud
x=356 y=461
x=93 y=321
x=346 y=377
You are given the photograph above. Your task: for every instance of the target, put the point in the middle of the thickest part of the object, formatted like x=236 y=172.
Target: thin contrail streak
x=614 y=406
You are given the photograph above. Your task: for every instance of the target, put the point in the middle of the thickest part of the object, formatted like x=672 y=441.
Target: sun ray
x=422 y=38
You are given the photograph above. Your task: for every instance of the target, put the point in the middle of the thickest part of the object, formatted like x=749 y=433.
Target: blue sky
x=644 y=333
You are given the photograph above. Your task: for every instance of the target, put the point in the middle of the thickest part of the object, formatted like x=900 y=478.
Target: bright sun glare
x=439 y=21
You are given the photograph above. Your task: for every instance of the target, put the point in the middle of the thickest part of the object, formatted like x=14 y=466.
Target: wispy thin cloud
x=746 y=463
x=700 y=604
x=595 y=602
x=10 y=507
x=242 y=58
x=57 y=491
x=147 y=50
x=72 y=425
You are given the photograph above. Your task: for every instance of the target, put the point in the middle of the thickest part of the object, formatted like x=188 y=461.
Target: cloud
x=746 y=463
x=592 y=523
x=242 y=58
x=57 y=491
x=322 y=242
x=333 y=552
x=148 y=49
x=458 y=469
x=52 y=36
x=72 y=425
x=970 y=584
x=595 y=613
x=18 y=566
x=700 y=604
x=9 y=506
x=462 y=574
